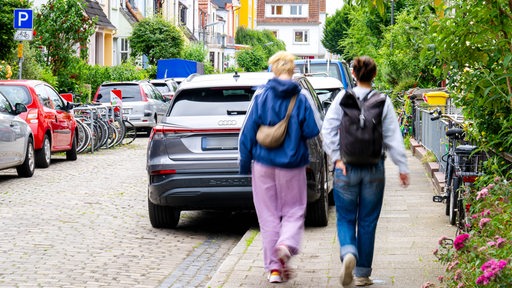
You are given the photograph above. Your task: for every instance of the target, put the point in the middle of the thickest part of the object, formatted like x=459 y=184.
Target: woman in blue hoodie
x=279 y=174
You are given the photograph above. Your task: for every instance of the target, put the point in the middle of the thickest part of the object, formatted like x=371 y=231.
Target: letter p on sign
x=23 y=19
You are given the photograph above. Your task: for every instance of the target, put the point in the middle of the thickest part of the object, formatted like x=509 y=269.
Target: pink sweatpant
x=280 y=198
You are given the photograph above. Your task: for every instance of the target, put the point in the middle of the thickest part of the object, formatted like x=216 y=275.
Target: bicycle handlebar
x=437 y=114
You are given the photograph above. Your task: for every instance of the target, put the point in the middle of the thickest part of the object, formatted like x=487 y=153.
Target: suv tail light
x=160 y=132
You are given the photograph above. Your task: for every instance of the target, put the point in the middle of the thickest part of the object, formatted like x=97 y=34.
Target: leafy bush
x=482 y=256
x=5 y=70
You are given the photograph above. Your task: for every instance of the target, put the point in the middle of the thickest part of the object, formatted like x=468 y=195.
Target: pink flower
x=442 y=239
x=459 y=241
x=458 y=275
x=490 y=268
x=482 y=194
x=483 y=221
x=486 y=212
x=490 y=186
x=440 y=278
x=500 y=241
x=452 y=264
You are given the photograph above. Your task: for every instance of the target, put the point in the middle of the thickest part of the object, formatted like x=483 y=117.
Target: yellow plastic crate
x=435 y=98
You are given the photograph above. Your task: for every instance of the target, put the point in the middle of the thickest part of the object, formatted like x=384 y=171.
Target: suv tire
x=317 y=213
x=163 y=216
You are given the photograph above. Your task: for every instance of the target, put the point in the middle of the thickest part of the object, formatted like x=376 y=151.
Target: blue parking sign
x=23 y=19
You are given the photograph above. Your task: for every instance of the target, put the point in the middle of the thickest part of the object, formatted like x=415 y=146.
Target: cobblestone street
x=85 y=224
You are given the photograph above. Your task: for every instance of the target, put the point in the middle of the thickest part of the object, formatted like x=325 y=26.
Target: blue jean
x=358 y=197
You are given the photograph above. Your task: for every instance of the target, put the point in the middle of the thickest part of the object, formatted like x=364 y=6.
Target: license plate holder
x=219 y=143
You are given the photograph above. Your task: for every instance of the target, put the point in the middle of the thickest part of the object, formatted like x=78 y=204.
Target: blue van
x=324 y=67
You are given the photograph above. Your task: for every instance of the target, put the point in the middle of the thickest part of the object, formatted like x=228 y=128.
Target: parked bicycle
x=463 y=166
x=102 y=126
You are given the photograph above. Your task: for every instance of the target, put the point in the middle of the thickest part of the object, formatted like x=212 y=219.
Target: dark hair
x=364 y=68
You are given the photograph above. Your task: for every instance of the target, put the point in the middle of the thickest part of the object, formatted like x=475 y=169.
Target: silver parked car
x=142 y=103
x=167 y=87
x=16 y=139
x=192 y=156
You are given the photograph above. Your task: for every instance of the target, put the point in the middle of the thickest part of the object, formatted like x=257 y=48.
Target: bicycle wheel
x=130 y=132
x=448 y=183
x=83 y=136
x=454 y=200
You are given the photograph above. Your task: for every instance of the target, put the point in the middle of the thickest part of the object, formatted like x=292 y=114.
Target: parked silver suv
x=192 y=156
x=142 y=103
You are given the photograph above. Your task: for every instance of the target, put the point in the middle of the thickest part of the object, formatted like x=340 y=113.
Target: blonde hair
x=282 y=63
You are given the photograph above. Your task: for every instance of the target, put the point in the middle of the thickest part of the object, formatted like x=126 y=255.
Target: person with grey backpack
x=359 y=129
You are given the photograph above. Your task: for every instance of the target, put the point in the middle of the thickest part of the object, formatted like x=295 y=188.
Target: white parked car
x=16 y=139
x=326 y=88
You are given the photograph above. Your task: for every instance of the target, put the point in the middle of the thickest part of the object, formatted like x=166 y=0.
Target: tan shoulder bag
x=273 y=136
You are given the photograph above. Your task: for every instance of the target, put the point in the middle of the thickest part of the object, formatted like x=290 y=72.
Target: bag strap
x=290 y=107
x=361 y=107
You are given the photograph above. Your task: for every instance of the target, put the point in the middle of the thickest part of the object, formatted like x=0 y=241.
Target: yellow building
x=245 y=15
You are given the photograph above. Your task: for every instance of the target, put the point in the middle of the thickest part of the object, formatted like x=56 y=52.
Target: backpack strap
x=360 y=103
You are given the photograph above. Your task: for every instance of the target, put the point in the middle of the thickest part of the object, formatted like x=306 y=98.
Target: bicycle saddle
x=456 y=133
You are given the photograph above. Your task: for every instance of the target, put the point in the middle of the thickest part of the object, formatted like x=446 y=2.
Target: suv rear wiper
x=236 y=112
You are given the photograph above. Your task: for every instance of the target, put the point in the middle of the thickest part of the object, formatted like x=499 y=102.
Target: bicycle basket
x=468 y=162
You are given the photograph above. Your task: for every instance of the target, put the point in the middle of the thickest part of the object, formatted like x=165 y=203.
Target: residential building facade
x=299 y=23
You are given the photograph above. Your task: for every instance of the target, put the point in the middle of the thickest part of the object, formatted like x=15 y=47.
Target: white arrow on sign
x=21 y=35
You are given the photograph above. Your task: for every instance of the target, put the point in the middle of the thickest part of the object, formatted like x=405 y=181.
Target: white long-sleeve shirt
x=393 y=140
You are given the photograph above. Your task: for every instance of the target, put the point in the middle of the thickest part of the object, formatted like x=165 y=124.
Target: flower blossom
x=483 y=221
x=459 y=241
x=491 y=269
x=482 y=194
x=442 y=239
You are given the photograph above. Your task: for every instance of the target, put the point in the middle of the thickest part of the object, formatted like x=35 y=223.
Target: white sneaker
x=363 y=281
x=275 y=277
x=349 y=262
x=284 y=255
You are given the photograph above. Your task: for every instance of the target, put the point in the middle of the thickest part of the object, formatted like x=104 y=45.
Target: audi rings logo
x=226 y=123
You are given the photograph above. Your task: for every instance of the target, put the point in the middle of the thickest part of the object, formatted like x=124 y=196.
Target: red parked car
x=49 y=116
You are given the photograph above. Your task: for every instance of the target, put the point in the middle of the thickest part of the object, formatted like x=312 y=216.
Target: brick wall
x=315 y=7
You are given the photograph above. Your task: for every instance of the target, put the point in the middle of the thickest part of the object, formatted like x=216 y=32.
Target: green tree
x=157 y=39
x=61 y=26
x=265 y=40
x=7 y=42
x=405 y=55
x=251 y=60
x=336 y=27
x=473 y=43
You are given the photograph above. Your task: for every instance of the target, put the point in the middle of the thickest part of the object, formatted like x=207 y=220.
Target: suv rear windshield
x=129 y=93
x=212 y=102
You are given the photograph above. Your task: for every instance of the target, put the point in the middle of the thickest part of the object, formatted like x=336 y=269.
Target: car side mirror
x=19 y=108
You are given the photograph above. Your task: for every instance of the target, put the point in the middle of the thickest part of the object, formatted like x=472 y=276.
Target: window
x=124 y=49
x=276 y=10
x=295 y=10
x=301 y=37
x=183 y=15
x=287 y=10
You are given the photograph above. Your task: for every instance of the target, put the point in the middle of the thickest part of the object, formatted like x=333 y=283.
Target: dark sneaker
x=349 y=262
x=363 y=281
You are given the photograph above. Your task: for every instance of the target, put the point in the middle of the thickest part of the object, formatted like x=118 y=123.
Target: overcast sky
x=332 y=6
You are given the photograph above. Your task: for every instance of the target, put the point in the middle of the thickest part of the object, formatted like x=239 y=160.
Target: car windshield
x=212 y=102
x=129 y=93
x=162 y=87
x=320 y=70
x=16 y=94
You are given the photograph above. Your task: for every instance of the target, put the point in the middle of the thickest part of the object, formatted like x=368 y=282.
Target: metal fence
x=432 y=133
